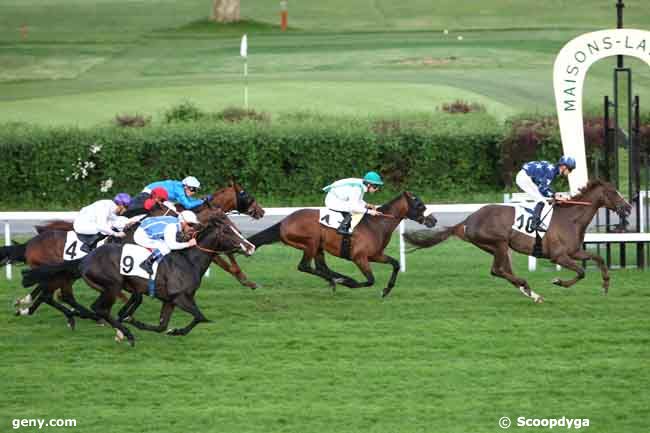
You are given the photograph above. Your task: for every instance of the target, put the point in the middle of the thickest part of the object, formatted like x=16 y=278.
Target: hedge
x=286 y=158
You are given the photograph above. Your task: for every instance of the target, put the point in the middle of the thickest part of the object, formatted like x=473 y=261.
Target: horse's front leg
x=566 y=262
x=584 y=255
x=187 y=303
x=393 y=277
x=234 y=269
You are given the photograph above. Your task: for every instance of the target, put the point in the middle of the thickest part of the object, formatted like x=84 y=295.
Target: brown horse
x=303 y=231
x=490 y=228
x=47 y=248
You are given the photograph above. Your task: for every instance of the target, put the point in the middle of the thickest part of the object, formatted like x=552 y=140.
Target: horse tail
x=267 y=236
x=44 y=273
x=429 y=238
x=13 y=253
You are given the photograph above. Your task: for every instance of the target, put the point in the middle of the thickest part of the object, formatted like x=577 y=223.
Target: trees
x=225 y=11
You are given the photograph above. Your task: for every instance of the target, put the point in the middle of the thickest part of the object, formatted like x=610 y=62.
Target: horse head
x=605 y=194
x=225 y=234
x=417 y=209
x=236 y=198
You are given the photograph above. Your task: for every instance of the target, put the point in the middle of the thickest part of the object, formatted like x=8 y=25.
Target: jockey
x=346 y=196
x=98 y=220
x=145 y=201
x=535 y=178
x=180 y=192
x=159 y=235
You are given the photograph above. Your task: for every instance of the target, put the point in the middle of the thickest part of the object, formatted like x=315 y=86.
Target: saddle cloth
x=331 y=218
x=132 y=256
x=524 y=219
x=72 y=249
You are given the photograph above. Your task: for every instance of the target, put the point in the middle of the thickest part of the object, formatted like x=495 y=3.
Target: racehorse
x=47 y=248
x=303 y=231
x=490 y=228
x=229 y=199
x=177 y=280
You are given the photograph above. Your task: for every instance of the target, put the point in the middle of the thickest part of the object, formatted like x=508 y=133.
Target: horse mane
x=588 y=187
x=388 y=205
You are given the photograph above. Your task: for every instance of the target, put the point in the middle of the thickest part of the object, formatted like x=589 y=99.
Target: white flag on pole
x=243 y=49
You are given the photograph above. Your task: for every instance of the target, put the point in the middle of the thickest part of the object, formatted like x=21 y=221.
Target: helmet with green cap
x=372 y=177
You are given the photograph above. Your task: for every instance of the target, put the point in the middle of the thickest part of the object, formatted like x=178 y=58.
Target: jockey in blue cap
x=178 y=191
x=101 y=219
x=346 y=196
x=535 y=178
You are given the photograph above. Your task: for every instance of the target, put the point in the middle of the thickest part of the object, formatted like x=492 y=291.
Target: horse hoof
x=71 y=323
x=539 y=300
x=557 y=281
x=386 y=292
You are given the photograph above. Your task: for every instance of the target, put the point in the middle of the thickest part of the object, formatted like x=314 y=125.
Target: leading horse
x=490 y=229
x=302 y=230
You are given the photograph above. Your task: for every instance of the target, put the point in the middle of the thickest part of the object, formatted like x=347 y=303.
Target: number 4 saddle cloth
x=524 y=219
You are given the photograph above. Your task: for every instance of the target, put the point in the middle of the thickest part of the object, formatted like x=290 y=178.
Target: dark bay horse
x=303 y=231
x=490 y=228
x=178 y=278
x=47 y=248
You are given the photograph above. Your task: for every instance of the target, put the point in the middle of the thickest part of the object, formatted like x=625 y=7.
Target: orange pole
x=284 y=20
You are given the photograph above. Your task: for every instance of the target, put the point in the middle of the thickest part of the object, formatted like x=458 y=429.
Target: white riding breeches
x=332 y=202
x=141 y=238
x=85 y=227
x=527 y=185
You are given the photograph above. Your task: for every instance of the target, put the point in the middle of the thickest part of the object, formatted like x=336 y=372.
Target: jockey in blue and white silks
x=346 y=196
x=159 y=234
x=180 y=192
x=535 y=179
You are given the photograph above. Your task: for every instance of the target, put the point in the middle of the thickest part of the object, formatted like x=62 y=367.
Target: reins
x=581 y=203
x=205 y=250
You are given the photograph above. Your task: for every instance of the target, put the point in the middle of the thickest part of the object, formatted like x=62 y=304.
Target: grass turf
x=99 y=58
x=451 y=350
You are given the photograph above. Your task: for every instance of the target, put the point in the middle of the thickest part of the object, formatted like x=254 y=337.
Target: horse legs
x=46 y=296
x=102 y=306
x=129 y=308
x=502 y=267
x=187 y=304
x=29 y=298
x=393 y=277
x=234 y=269
x=584 y=255
x=566 y=262
x=321 y=266
x=165 y=314
x=305 y=266
x=68 y=297
x=364 y=267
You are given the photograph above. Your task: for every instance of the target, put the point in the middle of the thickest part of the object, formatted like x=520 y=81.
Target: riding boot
x=89 y=241
x=344 y=228
x=147 y=265
x=537 y=217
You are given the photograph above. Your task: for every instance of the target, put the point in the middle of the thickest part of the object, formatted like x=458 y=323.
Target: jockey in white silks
x=101 y=219
x=535 y=179
x=346 y=196
x=159 y=235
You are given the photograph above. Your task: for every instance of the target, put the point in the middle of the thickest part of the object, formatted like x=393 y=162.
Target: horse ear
x=231 y=181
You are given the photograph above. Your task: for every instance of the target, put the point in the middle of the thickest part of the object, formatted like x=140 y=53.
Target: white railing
x=437 y=209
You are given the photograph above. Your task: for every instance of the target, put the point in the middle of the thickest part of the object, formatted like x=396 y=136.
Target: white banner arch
x=569 y=72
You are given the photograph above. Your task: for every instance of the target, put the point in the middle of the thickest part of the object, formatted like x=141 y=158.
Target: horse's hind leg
x=321 y=266
x=129 y=308
x=68 y=297
x=103 y=306
x=165 y=314
x=584 y=255
x=29 y=298
x=305 y=266
x=46 y=297
x=566 y=262
x=187 y=303
x=502 y=267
